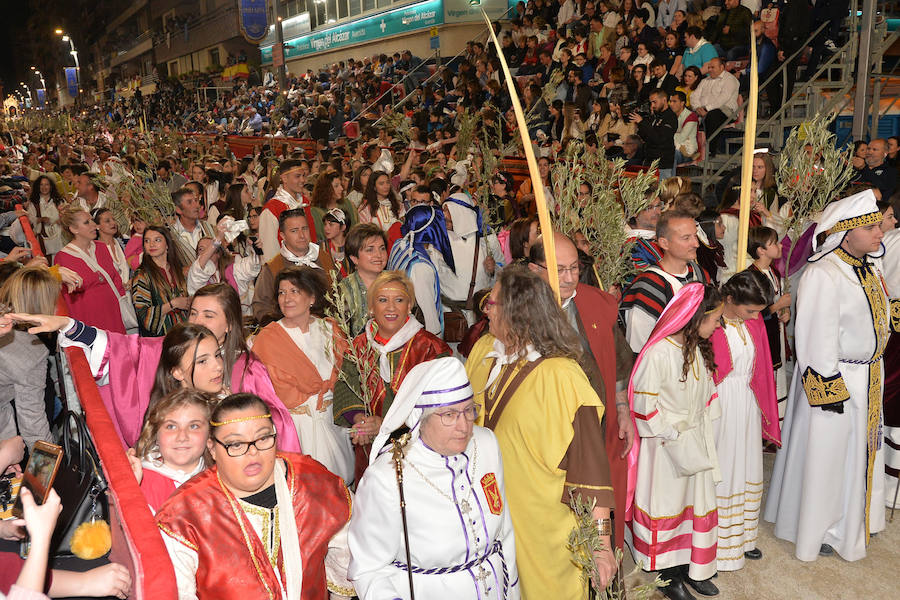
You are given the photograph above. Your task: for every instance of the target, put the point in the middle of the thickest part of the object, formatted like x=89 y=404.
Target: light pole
x=43 y=85
x=74 y=53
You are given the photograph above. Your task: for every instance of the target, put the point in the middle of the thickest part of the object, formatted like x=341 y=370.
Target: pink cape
x=762 y=382
x=133 y=370
x=672 y=320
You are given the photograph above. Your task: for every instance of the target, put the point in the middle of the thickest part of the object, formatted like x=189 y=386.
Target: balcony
x=204 y=31
x=143 y=43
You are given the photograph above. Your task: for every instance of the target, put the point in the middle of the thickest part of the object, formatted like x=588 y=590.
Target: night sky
x=13 y=14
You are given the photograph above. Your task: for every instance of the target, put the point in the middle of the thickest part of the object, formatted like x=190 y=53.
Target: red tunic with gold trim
x=232 y=563
x=423 y=346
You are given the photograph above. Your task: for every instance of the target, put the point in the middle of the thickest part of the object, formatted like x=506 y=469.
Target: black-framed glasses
x=449 y=418
x=235 y=449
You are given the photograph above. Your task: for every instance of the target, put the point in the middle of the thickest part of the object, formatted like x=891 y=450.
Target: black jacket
x=658 y=133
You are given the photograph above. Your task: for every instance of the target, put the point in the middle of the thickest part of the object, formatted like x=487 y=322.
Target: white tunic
x=451 y=523
x=891 y=264
x=738 y=436
x=319 y=436
x=675 y=513
x=825 y=474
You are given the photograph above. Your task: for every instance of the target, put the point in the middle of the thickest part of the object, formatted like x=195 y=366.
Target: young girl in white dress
x=746 y=388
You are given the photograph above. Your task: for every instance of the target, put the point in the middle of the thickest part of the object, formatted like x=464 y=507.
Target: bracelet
x=604 y=526
x=618 y=404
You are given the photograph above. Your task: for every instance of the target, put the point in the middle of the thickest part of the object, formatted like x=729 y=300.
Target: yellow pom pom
x=91 y=540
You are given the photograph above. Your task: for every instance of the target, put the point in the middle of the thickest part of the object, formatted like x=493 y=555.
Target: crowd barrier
x=136 y=541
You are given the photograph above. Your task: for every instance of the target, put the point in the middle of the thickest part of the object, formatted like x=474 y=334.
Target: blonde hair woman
x=392 y=343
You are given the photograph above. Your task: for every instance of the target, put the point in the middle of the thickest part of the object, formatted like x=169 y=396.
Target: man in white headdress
x=827 y=491
x=467 y=232
x=460 y=534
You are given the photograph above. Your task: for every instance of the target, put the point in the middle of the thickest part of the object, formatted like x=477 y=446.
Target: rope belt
x=497 y=548
x=860 y=362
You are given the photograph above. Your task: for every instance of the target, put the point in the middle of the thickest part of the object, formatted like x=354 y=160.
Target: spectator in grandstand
x=658 y=133
x=661 y=78
x=686 y=134
x=698 y=51
x=877 y=172
x=715 y=101
x=730 y=30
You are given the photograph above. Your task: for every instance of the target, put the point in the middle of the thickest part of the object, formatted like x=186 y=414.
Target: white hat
x=858 y=210
x=438 y=382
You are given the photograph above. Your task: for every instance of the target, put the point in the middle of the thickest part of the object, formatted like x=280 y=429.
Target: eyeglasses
x=449 y=418
x=235 y=449
x=574 y=269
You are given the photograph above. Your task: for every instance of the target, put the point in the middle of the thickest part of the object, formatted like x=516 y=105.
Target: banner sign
x=400 y=20
x=72 y=81
x=254 y=20
x=41 y=94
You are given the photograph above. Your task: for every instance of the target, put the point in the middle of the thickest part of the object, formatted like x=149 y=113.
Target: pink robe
x=134 y=250
x=94 y=303
x=762 y=383
x=133 y=370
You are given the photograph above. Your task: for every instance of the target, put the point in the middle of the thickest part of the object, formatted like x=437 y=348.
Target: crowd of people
x=647 y=80
x=277 y=337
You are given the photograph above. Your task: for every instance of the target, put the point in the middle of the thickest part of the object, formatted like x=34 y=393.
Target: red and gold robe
x=205 y=517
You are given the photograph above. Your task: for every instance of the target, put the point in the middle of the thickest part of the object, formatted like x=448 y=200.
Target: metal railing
x=430 y=78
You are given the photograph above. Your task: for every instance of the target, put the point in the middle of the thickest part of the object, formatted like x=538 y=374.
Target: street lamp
x=74 y=54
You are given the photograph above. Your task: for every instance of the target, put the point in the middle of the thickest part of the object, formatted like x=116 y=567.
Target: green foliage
x=339 y=310
x=584 y=542
x=602 y=217
x=811 y=173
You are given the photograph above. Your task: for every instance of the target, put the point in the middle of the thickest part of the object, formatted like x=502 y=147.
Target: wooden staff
x=537 y=183
x=747 y=159
x=397 y=454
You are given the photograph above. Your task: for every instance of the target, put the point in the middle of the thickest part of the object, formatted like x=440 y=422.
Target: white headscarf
x=858 y=210
x=465 y=220
x=438 y=382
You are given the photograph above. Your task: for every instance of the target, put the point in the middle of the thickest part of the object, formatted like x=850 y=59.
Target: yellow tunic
x=534 y=432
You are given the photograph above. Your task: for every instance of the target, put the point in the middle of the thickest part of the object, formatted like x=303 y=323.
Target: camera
x=634 y=106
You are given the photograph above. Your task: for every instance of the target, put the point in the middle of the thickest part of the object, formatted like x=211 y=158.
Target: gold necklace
x=737 y=324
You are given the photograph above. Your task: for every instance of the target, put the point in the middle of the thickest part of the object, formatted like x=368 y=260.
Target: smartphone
x=40 y=472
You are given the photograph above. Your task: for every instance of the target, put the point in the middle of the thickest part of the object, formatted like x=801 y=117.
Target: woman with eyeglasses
x=460 y=534
x=259 y=523
x=547 y=417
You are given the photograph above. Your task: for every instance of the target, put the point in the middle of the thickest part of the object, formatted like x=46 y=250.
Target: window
x=355 y=7
x=368 y=5
x=173 y=68
x=214 y=56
